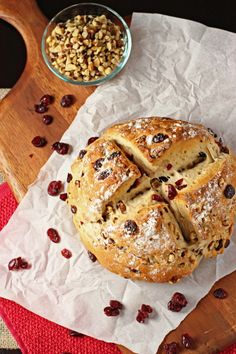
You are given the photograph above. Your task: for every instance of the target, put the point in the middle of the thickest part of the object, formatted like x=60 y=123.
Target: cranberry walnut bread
x=151 y=197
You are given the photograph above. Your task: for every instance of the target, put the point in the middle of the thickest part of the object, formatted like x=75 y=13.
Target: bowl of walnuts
x=86 y=44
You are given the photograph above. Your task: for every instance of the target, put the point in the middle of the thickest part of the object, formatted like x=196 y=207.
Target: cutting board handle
x=27 y=18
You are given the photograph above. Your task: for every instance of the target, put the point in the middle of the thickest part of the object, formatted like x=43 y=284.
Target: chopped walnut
x=85 y=48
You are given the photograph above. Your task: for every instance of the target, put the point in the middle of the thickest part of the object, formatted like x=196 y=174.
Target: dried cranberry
x=73 y=209
x=18 y=263
x=220 y=293
x=130 y=226
x=169 y=166
x=54 y=188
x=63 y=196
x=67 y=101
x=171 y=348
x=229 y=191
x=13 y=264
x=179 y=182
x=40 y=108
x=92 y=139
x=227 y=243
x=177 y=302
x=66 y=253
x=47 y=119
x=104 y=174
x=180 y=299
x=109 y=311
x=182 y=187
x=39 y=141
x=76 y=334
x=53 y=235
x=82 y=153
x=158 y=138
x=172 y=192
x=202 y=156
x=146 y=308
x=222 y=147
x=187 y=341
x=141 y=316
x=157 y=198
x=46 y=100
x=98 y=164
x=61 y=148
x=220 y=245
x=163 y=179
x=92 y=257
x=114 y=155
x=116 y=304
x=121 y=206
x=69 y=177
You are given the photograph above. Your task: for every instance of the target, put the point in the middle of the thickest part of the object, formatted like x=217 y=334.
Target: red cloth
x=34 y=334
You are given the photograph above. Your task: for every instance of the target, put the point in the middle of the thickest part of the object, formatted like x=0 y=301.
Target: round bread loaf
x=151 y=197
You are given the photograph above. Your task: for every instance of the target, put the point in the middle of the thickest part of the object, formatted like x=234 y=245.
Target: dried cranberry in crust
x=73 y=209
x=82 y=153
x=53 y=235
x=40 y=108
x=169 y=166
x=146 y=308
x=229 y=191
x=179 y=182
x=39 y=141
x=227 y=243
x=114 y=155
x=171 y=348
x=220 y=245
x=69 y=177
x=220 y=293
x=130 y=226
x=67 y=101
x=109 y=311
x=222 y=147
x=98 y=164
x=63 y=196
x=158 y=138
x=47 y=119
x=157 y=198
x=92 y=257
x=181 y=187
x=46 y=100
x=202 y=156
x=187 y=341
x=92 y=139
x=163 y=179
x=212 y=132
x=75 y=334
x=66 y=253
x=115 y=304
x=172 y=192
x=60 y=148
x=104 y=174
x=54 y=188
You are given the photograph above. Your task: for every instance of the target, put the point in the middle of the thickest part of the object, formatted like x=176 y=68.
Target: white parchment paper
x=177 y=68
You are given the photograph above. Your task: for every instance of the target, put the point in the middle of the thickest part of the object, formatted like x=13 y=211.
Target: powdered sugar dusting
x=153 y=234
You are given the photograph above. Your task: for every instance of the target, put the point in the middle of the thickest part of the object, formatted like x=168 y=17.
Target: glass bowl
x=88 y=9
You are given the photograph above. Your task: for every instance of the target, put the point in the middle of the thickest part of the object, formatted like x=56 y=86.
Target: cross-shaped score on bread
x=153 y=196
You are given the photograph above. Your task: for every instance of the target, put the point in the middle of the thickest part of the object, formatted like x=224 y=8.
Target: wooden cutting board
x=213 y=322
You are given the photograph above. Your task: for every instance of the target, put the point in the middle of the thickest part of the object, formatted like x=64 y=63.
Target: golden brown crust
x=151 y=198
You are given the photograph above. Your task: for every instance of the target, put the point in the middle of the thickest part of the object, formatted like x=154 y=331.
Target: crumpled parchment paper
x=177 y=68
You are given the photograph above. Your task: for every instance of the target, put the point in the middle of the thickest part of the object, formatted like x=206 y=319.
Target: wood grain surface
x=213 y=323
